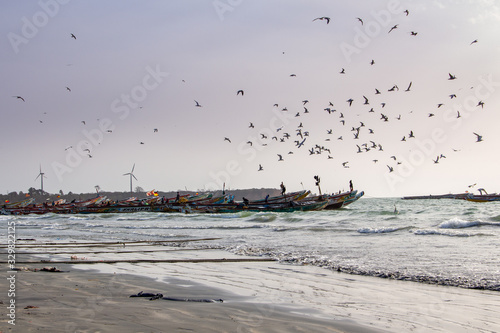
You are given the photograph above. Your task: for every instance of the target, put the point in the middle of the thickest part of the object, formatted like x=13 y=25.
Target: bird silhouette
x=227 y=139
x=280 y=158
x=409 y=86
x=327 y=19
x=240 y=92
x=260 y=167
x=251 y=125
x=73 y=36
x=360 y=20
x=479 y=137
x=451 y=76
x=394 y=27
x=197 y=104
x=19 y=97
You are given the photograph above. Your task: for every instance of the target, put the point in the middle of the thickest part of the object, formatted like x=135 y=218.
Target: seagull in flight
x=409 y=86
x=394 y=27
x=197 y=104
x=227 y=139
x=473 y=42
x=479 y=137
x=260 y=167
x=73 y=36
x=240 y=92
x=19 y=97
x=323 y=18
x=451 y=76
x=360 y=20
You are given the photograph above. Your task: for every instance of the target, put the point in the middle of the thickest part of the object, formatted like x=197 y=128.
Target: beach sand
x=88 y=301
x=257 y=297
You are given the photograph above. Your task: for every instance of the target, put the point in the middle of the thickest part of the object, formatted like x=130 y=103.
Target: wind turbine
x=131 y=173
x=41 y=175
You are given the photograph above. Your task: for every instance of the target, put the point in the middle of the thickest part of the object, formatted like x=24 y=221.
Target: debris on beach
x=153 y=297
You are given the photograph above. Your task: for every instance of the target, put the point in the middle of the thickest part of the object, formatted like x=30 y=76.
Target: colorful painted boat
x=200 y=203
x=483 y=197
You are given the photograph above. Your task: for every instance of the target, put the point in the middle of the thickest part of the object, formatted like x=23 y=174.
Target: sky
x=121 y=95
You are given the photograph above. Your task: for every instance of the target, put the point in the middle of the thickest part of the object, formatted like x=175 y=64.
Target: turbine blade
x=134 y=177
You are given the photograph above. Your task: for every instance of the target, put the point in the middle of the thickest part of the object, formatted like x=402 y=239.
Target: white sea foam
x=456 y=223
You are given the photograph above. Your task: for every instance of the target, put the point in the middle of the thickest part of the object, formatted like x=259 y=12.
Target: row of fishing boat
x=199 y=203
x=459 y=196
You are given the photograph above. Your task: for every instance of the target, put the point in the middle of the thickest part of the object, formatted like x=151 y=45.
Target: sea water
x=445 y=241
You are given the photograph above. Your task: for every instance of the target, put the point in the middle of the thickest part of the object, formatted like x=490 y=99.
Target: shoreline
x=89 y=300
x=259 y=296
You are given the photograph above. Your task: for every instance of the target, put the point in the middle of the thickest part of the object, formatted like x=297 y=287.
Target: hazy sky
x=123 y=92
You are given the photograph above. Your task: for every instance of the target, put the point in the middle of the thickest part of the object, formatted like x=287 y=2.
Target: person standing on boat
x=350 y=185
x=283 y=189
x=177 y=197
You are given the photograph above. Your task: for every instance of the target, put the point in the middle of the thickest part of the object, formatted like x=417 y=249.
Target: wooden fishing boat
x=337 y=201
x=483 y=197
x=199 y=203
x=292 y=196
x=282 y=207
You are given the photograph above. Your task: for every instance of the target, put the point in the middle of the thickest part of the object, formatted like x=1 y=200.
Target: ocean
x=446 y=242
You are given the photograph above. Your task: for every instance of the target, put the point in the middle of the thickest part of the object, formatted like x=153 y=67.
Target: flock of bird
x=301 y=137
x=298 y=138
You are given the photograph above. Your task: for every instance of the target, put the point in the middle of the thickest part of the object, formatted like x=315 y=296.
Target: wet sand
x=89 y=301
x=258 y=296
